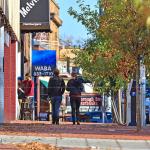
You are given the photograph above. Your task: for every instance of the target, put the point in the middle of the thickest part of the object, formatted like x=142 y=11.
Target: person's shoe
x=78 y=123
x=57 y=121
x=53 y=122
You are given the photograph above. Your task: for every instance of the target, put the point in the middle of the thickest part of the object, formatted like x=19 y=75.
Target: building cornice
x=55 y=4
x=55 y=18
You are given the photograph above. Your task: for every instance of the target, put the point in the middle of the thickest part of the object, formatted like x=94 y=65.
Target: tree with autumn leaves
x=120 y=39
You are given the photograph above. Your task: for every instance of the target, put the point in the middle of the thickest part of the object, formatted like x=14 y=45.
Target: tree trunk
x=138 y=110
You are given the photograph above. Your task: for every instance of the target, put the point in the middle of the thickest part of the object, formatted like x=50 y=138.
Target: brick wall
x=10 y=82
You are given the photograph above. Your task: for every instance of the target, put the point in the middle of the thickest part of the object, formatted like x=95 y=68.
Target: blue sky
x=70 y=27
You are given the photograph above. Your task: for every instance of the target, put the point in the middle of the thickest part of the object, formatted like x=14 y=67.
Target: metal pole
x=103 y=109
x=142 y=92
x=128 y=113
x=119 y=105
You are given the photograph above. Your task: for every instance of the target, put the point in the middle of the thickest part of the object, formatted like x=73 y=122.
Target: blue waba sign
x=43 y=62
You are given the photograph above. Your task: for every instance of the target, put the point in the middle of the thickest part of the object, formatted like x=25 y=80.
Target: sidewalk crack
x=86 y=142
x=119 y=145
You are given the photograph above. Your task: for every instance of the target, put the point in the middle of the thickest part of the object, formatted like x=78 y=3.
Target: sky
x=70 y=26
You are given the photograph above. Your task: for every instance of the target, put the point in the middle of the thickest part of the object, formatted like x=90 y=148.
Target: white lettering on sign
x=43 y=68
x=90 y=101
x=43 y=74
x=29 y=5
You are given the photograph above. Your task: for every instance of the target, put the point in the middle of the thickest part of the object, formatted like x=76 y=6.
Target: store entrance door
x=1 y=74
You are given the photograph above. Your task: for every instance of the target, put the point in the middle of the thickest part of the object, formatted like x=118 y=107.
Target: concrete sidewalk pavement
x=87 y=136
x=67 y=130
x=91 y=144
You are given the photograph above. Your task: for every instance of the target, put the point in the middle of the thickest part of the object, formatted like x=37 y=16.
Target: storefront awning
x=45 y=83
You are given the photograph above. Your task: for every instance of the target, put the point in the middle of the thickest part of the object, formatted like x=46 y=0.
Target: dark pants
x=56 y=102
x=75 y=105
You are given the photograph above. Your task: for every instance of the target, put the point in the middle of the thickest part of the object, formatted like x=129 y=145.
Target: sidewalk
x=66 y=129
x=77 y=143
x=88 y=136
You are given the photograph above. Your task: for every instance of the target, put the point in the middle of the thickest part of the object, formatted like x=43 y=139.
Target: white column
x=18 y=74
x=1 y=75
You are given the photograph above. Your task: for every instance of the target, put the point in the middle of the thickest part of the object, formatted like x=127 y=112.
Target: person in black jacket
x=75 y=87
x=56 y=88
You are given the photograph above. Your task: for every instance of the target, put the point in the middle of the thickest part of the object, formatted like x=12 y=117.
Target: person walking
x=56 y=88
x=75 y=87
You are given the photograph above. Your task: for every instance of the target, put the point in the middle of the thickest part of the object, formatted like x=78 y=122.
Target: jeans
x=56 y=102
x=75 y=105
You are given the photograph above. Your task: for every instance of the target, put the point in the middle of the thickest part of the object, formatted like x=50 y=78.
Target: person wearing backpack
x=56 y=88
x=75 y=87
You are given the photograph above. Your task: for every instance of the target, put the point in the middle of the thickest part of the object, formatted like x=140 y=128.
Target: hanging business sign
x=43 y=62
x=35 y=15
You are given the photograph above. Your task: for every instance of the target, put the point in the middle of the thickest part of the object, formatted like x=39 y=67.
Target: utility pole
x=138 y=101
x=142 y=93
x=103 y=109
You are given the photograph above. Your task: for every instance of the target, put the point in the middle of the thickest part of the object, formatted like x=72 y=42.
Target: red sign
x=90 y=101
